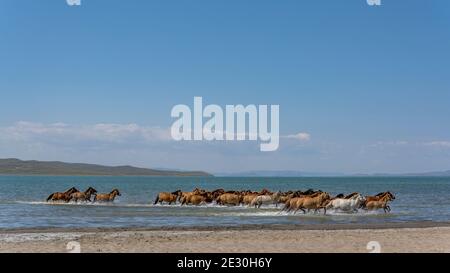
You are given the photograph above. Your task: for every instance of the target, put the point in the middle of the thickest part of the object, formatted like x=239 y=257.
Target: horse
x=229 y=199
x=248 y=198
x=346 y=204
x=217 y=193
x=379 y=196
x=291 y=203
x=197 y=199
x=167 y=197
x=266 y=199
x=83 y=196
x=381 y=203
x=62 y=196
x=107 y=197
x=309 y=202
x=184 y=195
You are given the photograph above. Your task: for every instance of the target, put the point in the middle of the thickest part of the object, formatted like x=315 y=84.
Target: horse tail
x=157 y=200
x=50 y=197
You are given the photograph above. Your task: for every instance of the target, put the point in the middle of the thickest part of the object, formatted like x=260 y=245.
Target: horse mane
x=350 y=195
x=381 y=193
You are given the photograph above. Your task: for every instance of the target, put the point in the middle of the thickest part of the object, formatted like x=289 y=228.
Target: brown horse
x=217 y=193
x=314 y=203
x=62 y=196
x=197 y=199
x=184 y=195
x=83 y=196
x=229 y=199
x=290 y=204
x=379 y=196
x=248 y=198
x=107 y=197
x=381 y=203
x=167 y=197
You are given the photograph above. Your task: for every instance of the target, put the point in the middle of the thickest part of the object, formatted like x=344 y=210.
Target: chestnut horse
x=381 y=203
x=167 y=197
x=309 y=203
x=107 y=197
x=379 y=196
x=197 y=199
x=62 y=196
x=83 y=196
x=229 y=199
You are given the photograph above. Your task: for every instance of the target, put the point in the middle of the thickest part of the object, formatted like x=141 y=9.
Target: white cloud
x=444 y=144
x=300 y=136
x=107 y=132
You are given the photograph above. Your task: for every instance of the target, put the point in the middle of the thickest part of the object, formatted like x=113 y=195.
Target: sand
x=232 y=240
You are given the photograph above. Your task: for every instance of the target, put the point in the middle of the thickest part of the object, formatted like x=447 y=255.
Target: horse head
x=391 y=195
x=116 y=192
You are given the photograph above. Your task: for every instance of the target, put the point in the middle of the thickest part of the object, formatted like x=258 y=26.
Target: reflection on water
x=22 y=201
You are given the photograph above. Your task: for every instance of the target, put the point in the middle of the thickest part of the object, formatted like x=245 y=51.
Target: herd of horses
x=292 y=201
x=74 y=195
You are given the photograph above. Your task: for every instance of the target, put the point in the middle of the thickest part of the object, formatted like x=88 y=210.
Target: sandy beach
x=396 y=238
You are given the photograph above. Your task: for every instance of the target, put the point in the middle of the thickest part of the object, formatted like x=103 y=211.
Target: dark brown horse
x=62 y=196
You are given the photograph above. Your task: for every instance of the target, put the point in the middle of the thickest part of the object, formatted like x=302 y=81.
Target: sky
x=366 y=87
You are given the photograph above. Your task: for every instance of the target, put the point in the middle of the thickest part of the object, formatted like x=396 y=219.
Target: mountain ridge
x=14 y=166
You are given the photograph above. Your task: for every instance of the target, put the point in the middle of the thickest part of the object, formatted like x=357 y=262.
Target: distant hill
x=12 y=166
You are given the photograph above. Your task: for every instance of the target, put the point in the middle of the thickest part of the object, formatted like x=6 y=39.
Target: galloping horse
x=266 y=199
x=290 y=204
x=107 y=197
x=167 y=197
x=379 y=196
x=248 y=198
x=62 y=196
x=309 y=202
x=229 y=199
x=347 y=204
x=83 y=196
x=197 y=199
x=381 y=203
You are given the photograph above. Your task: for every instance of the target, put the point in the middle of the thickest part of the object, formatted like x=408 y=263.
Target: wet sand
x=404 y=237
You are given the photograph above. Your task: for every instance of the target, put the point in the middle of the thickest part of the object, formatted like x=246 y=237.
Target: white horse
x=351 y=204
x=266 y=199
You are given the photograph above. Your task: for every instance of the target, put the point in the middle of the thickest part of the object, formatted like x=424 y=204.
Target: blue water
x=22 y=201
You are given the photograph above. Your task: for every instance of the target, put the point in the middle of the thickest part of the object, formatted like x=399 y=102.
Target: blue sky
x=96 y=83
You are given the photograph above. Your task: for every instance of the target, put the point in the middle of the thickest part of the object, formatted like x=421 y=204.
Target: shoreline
x=325 y=227
x=387 y=240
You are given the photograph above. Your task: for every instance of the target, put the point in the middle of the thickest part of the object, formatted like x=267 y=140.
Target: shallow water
x=22 y=201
